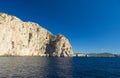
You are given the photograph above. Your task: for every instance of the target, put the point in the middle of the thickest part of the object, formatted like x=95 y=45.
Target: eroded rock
x=18 y=38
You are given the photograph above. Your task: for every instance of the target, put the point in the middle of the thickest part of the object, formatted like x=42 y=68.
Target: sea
x=64 y=67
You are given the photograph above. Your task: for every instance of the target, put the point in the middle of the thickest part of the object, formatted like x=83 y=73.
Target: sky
x=92 y=26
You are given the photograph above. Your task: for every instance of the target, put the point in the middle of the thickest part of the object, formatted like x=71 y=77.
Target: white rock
x=18 y=38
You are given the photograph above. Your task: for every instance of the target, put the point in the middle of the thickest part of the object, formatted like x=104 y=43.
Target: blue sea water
x=70 y=67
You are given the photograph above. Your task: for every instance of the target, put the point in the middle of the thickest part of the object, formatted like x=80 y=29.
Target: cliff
x=18 y=38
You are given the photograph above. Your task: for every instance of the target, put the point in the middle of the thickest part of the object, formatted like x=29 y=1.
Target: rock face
x=18 y=38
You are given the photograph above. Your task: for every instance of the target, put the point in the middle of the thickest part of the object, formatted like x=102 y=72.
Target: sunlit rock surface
x=18 y=38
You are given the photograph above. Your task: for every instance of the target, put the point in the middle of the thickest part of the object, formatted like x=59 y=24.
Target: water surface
x=48 y=67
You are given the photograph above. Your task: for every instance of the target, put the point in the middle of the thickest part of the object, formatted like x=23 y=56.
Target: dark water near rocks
x=46 y=67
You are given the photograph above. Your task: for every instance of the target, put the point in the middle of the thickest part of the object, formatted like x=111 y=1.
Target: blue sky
x=92 y=26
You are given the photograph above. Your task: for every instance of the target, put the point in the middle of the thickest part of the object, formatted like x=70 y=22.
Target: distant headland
x=96 y=55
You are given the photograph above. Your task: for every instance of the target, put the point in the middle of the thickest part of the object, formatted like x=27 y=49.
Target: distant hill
x=101 y=54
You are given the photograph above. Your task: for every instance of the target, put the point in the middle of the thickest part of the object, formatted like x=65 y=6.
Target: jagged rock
x=60 y=46
x=18 y=38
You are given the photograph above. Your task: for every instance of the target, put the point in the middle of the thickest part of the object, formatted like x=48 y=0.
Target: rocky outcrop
x=18 y=38
x=59 y=46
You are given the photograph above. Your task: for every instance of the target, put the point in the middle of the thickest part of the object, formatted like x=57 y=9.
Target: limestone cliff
x=18 y=38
